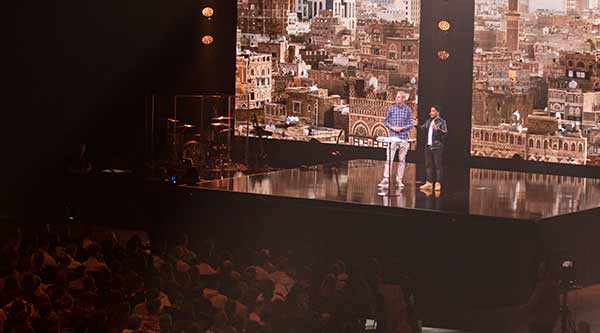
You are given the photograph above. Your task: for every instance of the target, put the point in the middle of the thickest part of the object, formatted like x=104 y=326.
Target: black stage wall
x=80 y=71
x=447 y=83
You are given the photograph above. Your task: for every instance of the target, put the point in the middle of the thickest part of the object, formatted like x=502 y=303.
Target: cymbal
x=173 y=120
x=219 y=124
x=186 y=126
x=222 y=118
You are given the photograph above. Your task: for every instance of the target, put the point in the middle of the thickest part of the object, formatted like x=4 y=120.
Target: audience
x=55 y=283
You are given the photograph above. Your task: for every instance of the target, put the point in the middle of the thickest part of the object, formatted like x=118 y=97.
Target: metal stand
x=390 y=159
x=567 y=324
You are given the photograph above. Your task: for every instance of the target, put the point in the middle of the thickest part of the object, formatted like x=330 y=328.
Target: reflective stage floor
x=495 y=193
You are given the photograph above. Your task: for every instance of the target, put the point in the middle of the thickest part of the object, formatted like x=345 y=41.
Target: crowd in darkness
x=61 y=282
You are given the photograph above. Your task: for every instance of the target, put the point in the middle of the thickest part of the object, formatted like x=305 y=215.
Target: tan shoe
x=438 y=186
x=426 y=186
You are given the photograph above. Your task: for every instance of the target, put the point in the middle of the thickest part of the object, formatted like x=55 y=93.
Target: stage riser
x=458 y=262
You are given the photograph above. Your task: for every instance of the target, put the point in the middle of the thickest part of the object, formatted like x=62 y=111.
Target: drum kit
x=207 y=148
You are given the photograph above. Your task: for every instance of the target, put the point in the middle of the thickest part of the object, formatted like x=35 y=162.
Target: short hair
x=437 y=108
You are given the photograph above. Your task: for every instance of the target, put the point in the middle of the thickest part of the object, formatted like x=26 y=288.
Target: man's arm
x=387 y=122
x=408 y=124
x=443 y=127
x=388 y=115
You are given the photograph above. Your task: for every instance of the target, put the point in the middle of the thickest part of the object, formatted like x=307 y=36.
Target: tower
x=523 y=7
x=512 y=25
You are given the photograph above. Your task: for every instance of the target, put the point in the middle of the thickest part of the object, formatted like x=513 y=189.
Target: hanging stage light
x=207 y=39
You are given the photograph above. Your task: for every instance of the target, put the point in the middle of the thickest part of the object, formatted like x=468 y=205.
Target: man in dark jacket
x=436 y=130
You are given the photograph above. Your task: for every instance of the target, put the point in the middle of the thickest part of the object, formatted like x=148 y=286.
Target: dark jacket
x=439 y=135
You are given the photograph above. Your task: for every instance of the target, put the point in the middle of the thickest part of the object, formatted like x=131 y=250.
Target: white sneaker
x=384 y=183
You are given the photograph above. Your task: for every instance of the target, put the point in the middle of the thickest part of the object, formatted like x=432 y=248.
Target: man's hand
x=396 y=128
x=433 y=126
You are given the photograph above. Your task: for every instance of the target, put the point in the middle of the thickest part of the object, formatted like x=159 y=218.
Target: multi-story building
x=575 y=7
x=492 y=68
x=345 y=10
x=524 y=7
x=488 y=39
x=253 y=80
x=313 y=55
x=415 y=12
x=492 y=108
x=296 y=27
x=325 y=28
x=583 y=68
x=277 y=50
x=263 y=17
x=506 y=141
x=572 y=104
x=311 y=105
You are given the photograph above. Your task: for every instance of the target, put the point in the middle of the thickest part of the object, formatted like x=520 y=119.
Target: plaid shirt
x=399 y=115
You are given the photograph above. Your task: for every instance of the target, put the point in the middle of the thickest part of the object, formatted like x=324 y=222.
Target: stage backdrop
x=536 y=86
x=324 y=71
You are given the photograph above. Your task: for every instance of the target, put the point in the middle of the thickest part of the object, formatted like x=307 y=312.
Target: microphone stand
x=390 y=159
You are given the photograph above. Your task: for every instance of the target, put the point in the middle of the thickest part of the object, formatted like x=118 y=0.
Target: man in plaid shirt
x=399 y=120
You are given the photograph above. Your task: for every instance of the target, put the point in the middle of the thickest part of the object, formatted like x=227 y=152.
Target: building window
x=545 y=144
x=572 y=147
x=581 y=148
x=296 y=106
x=566 y=146
x=538 y=144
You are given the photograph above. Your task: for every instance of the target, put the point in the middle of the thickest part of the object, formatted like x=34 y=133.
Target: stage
x=466 y=248
x=492 y=193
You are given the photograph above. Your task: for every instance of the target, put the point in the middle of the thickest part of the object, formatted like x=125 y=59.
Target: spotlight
x=443 y=54
x=208 y=12
x=444 y=25
x=207 y=39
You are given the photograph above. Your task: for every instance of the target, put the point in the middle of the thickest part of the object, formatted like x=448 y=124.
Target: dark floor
x=495 y=193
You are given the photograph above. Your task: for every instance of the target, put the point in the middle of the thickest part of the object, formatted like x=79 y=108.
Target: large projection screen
x=536 y=81
x=324 y=70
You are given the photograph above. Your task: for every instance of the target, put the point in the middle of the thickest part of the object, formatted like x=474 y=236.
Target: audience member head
x=165 y=322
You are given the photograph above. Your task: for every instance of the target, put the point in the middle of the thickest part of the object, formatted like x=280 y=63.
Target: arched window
x=581 y=148
x=538 y=144
x=393 y=52
x=566 y=146
x=360 y=130
x=519 y=140
x=572 y=147
x=486 y=137
x=580 y=64
x=512 y=140
x=494 y=137
x=530 y=142
x=545 y=144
